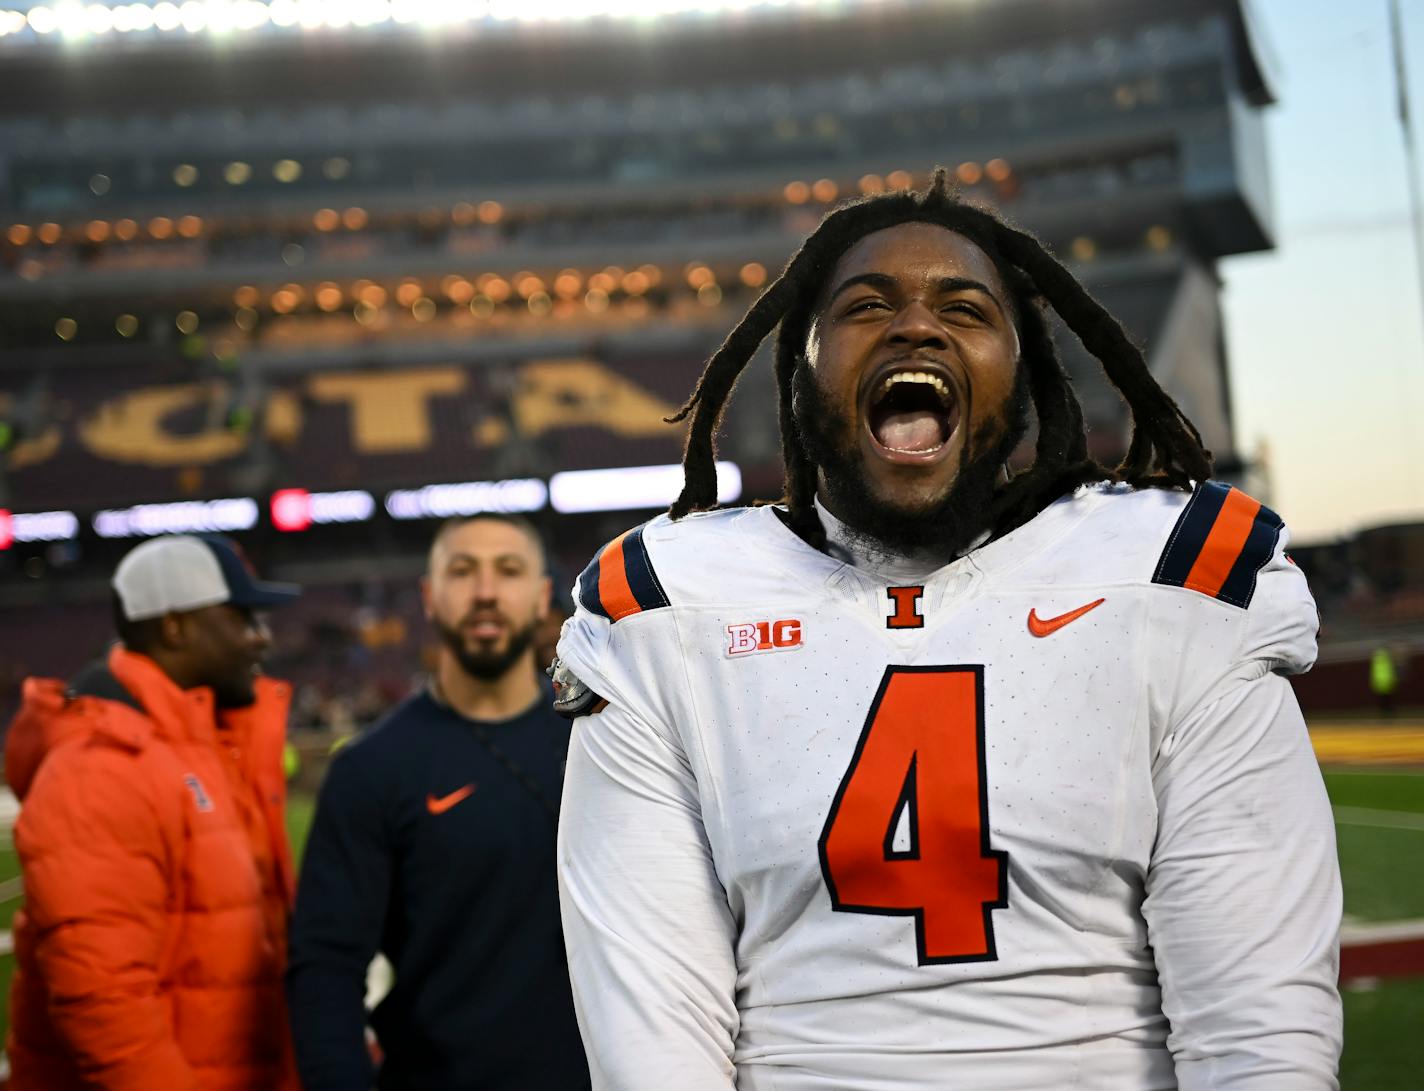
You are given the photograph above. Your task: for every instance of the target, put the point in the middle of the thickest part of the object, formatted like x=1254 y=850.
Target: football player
x=932 y=775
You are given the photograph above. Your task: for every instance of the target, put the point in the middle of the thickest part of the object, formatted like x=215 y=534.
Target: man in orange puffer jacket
x=157 y=875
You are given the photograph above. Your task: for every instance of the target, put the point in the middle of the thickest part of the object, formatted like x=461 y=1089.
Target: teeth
x=929 y=380
x=906 y=451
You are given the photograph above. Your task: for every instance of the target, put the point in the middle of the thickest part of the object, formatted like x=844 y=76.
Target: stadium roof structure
x=70 y=25
x=57 y=59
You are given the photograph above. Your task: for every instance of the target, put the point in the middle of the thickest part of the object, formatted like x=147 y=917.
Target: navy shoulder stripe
x=588 y=586
x=620 y=580
x=1219 y=545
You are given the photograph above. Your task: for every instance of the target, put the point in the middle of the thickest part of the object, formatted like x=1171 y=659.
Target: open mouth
x=913 y=412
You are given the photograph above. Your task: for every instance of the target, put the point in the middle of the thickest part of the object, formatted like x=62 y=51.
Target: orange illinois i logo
x=746 y=637
x=200 y=796
x=905 y=608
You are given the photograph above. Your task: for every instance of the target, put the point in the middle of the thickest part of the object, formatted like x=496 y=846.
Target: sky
x=1325 y=335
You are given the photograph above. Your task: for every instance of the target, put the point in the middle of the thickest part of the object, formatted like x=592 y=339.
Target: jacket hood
x=49 y=716
x=46 y=719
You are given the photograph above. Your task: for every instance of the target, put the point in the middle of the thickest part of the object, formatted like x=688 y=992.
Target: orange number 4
x=921 y=752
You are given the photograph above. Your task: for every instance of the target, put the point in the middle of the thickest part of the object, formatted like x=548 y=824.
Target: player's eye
x=961 y=308
x=860 y=306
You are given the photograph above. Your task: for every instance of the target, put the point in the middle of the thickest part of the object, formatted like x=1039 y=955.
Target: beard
x=948 y=526
x=487 y=665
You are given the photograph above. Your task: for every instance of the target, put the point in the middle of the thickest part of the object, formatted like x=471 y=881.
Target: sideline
x=1370 y=744
x=1380 y=950
x=1363 y=816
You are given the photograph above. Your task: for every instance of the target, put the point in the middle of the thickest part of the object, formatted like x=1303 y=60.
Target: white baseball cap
x=182 y=572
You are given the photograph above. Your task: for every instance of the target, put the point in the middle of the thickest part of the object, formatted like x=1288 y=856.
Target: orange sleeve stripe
x=1224 y=544
x=614 y=591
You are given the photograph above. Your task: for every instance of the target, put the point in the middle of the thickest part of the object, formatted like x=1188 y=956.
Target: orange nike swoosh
x=444 y=803
x=1044 y=626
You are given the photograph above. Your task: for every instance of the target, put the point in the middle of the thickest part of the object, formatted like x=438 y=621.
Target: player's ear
x=173 y=631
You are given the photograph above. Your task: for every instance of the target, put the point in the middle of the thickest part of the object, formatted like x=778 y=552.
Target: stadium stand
x=503 y=255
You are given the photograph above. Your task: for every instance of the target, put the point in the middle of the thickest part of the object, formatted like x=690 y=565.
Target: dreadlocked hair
x=1165 y=451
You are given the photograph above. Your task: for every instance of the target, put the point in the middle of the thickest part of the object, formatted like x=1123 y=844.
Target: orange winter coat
x=152 y=941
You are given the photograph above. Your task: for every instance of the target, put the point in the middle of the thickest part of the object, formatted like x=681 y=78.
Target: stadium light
x=37 y=526
x=467 y=498
x=42 y=20
x=184 y=517
x=167 y=17
x=220 y=18
x=575 y=491
x=98 y=19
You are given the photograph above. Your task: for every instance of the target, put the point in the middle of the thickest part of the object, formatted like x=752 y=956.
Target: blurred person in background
x=152 y=842
x=433 y=844
x=1384 y=680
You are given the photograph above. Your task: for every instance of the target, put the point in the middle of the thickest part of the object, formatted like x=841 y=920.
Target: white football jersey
x=1049 y=819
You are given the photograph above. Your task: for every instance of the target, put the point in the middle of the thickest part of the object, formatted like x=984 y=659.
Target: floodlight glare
x=73 y=19
x=252 y=15
x=43 y=20
x=167 y=17
x=194 y=15
x=221 y=16
x=98 y=19
x=311 y=14
x=369 y=13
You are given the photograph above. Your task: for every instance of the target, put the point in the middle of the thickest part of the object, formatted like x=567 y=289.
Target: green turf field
x=1380 y=830
x=1380 y=835
x=1384 y=1050
x=1388 y=789
x=299 y=816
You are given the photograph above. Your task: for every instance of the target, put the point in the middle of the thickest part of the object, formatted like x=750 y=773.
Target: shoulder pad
x=620 y=580
x=1219 y=545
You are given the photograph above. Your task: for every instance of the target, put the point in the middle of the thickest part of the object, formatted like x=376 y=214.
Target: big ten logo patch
x=763 y=636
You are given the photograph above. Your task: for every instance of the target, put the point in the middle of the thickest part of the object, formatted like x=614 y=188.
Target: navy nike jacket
x=433 y=843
